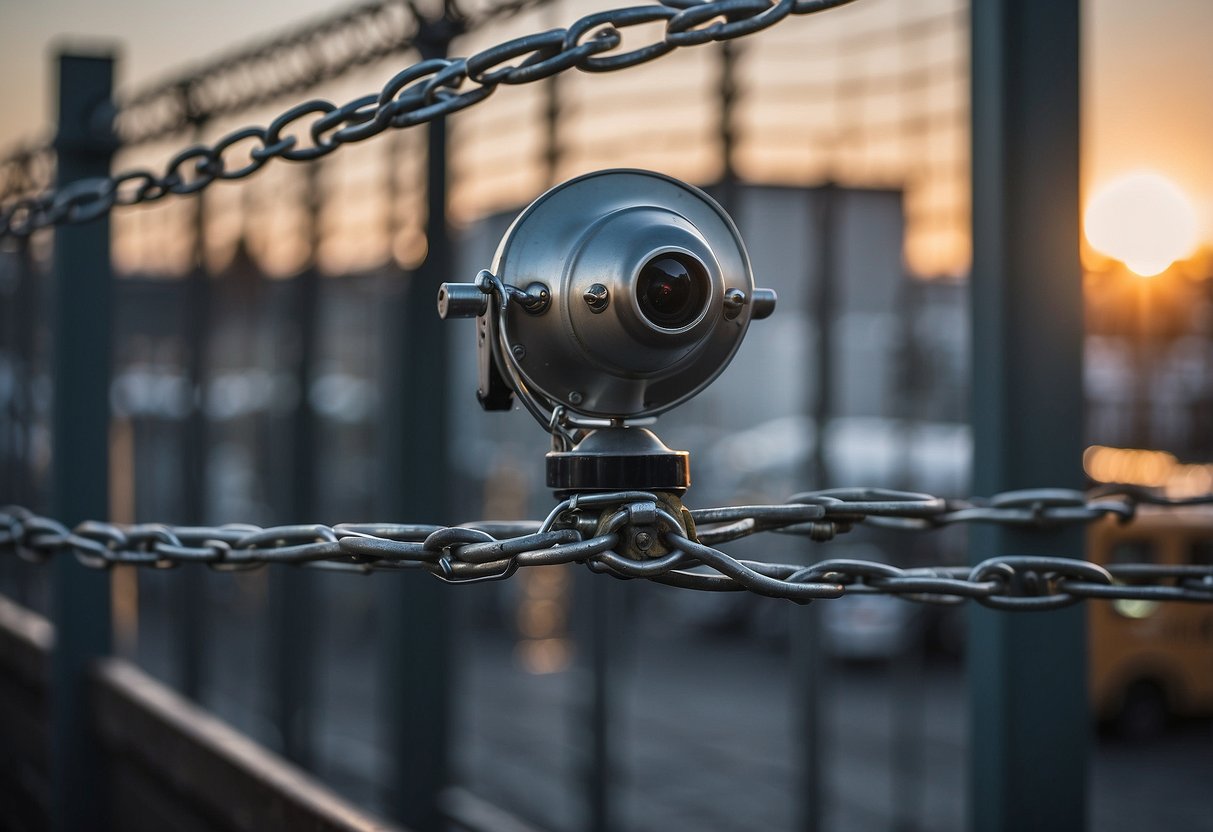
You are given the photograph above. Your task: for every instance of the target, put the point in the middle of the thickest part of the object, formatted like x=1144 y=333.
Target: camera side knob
x=461 y=300
x=763 y=304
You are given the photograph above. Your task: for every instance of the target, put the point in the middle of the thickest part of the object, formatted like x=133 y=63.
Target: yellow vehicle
x=1149 y=660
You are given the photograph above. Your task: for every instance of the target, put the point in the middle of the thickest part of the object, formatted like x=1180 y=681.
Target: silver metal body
x=608 y=360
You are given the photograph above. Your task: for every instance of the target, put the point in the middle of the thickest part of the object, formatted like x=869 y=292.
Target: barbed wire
x=425 y=91
x=26 y=168
x=252 y=75
x=639 y=535
x=287 y=64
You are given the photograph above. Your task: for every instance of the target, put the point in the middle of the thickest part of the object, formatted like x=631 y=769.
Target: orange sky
x=1148 y=69
x=1149 y=95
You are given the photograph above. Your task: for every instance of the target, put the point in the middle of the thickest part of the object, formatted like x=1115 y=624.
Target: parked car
x=870 y=627
x=1150 y=661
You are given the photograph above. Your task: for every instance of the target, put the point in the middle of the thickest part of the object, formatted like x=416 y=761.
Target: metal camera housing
x=612 y=298
x=596 y=352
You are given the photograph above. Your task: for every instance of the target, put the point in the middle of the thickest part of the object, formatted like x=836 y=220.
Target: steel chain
x=593 y=530
x=423 y=92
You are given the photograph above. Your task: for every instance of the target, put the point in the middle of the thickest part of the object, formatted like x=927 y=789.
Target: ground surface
x=705 y=733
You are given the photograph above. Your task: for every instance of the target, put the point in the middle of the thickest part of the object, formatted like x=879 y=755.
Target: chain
x=252 y=76
x=425 y=91
x=635 y=535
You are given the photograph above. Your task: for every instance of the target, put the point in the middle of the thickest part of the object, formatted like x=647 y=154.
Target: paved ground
x=704 y=727
x=708 y=743
x=705 y=731
x=707 y=739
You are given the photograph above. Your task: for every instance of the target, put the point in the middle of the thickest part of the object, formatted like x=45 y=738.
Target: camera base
x=619 y=459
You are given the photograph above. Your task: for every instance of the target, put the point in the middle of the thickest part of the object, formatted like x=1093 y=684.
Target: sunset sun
x=1143 y=220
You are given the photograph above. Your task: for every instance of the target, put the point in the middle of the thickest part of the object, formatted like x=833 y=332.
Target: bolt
x=643 y=540
x=574 y=397
x=539 y=298
x=734 y=300
x=597 y=297
x=518 y=351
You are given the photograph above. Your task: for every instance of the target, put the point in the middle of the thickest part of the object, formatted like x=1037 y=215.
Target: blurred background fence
x=269 y=368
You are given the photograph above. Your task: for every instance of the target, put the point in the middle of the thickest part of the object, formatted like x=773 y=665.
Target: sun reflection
x=1144 y=220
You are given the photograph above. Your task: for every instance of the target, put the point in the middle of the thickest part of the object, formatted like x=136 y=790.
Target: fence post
x=726 y=122
x=552 y=111
x=21 y=313
x=600 y=631
x=294 y=597
x=1029 y=718
x=83 y=287
x=809 y=679
x=417 y=641
x=195 y=451
x=551 y=120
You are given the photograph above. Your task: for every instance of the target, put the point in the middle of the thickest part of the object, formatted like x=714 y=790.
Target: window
x=1134 y=551
x=1200 y=552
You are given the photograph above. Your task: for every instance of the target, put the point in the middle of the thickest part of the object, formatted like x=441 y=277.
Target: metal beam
x=418 y=638
x=295 y=598
x=83 y=289
x=1027 y=676
x=809 y=677
x=190 y=585
x=601 y=628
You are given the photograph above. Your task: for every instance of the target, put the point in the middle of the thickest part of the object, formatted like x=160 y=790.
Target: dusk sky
x=1148 y=69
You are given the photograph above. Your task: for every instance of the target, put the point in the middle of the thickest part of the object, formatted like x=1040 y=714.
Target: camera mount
x=612 y=298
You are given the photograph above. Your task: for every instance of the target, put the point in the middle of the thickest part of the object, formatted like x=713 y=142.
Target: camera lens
x=671 y=290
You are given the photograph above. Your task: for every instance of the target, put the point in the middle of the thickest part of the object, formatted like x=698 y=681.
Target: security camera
x=612 y=298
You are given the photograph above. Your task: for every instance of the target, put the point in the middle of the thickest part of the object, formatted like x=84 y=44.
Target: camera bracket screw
x=734 y=300
x=597 y=297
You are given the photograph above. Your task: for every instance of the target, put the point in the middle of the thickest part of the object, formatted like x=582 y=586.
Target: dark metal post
x=552 y=149
x=822 y=313
x=727 y=92
x=293 y=593
x=1029 y=718
x=599 y=770
x=551 y=118
x=808 y=676
x=599 y=632
x=83 y=287
x=30 y=304
x=191 y=583
x=417 y=639
x=22 y=313
x=907 y=676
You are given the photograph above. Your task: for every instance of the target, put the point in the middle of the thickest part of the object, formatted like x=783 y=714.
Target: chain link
x=425 y=91
x=237 y=81
x=600 y=530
